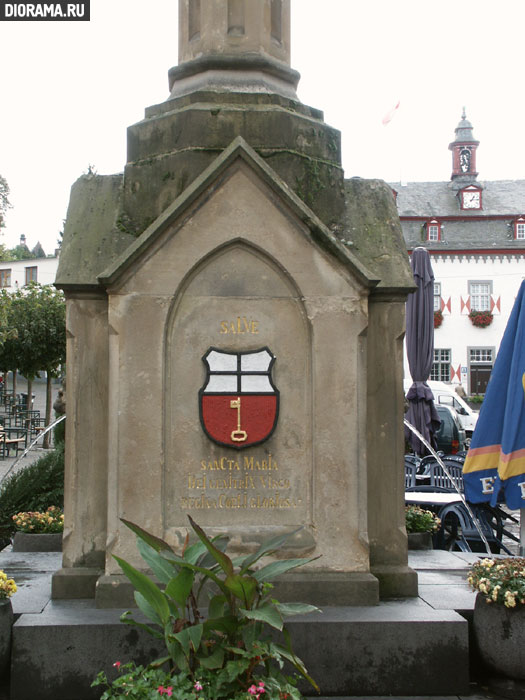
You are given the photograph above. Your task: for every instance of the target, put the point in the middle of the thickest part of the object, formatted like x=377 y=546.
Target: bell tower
x=464 y=152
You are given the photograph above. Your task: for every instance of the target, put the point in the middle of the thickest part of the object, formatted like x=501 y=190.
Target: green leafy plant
x=500 y=580
x=420 y=520
x=230 y=653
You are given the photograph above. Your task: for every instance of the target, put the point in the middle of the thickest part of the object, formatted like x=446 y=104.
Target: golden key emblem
x=238 y=435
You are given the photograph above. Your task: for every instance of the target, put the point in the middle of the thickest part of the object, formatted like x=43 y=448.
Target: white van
x=445 y=395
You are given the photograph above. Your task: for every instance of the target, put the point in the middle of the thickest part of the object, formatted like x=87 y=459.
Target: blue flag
x=495 y=463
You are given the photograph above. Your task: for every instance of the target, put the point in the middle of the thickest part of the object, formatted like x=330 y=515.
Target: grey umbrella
x=421 y=412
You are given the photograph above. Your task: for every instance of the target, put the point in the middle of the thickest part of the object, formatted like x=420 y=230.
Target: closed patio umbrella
x=494 y=468
x=421 y=412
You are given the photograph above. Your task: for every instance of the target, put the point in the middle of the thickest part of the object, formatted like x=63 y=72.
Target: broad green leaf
x=214 y=660
x=146 y=608
x=205 y=572
x=267 y=548
x=189 y=638
x=176 y=653
x=161 y=567
x=159 y=662
x=195 y=632
x=242 y=587
x=149 y=590
x=265 y=613
x=222 y=559
x=236 y=668
x=287 y=609
x=194 y=551
x=156 y=542
x=295 y=660
x=216 y=606
x=150 y=630
x=220 y=542
x=276 y=568
x=227 y=624
x=180 y=587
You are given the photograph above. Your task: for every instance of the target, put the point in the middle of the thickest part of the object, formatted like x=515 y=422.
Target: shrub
x=33 y=488
x=419 y=520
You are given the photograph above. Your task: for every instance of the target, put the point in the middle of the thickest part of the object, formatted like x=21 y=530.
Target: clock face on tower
x=471 y=200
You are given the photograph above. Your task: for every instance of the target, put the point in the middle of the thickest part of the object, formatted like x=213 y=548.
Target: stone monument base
x=321 y=589
x=398 y=648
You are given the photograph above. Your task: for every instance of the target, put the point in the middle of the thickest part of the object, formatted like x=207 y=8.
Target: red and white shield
x=239 y=403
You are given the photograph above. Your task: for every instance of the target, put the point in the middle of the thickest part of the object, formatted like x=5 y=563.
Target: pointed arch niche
x=237 y=299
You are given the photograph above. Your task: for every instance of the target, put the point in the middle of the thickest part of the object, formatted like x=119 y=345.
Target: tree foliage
x=4 y=200
x=36 y=331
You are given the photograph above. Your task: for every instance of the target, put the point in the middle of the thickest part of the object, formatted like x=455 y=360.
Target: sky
x=69 y=90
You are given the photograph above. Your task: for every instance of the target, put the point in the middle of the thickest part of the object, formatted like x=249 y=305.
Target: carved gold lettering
x=240 y=326
x=252 y=464
x=196 y=483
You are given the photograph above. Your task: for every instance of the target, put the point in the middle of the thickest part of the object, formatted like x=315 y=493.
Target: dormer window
x=470 y=198
x=433 y=230
x=519 y=229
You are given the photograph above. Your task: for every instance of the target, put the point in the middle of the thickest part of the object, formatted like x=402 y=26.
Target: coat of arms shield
x=238 y=403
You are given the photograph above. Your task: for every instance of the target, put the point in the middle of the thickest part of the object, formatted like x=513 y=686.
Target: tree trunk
x=14 y=384
x=29 y=394
x=47 y=436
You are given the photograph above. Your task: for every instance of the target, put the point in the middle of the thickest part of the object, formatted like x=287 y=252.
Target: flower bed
x=500 y=581
x=52 y=520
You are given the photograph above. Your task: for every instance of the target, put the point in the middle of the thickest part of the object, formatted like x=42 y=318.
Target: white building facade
x=17 y=273
x=475 y=234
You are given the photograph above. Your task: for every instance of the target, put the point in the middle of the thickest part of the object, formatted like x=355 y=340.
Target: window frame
x=439 y=361
x=27 y=271
x=5 y=273
x=519 y=223
x=473 y=295
x=437 y=296
x=431 y=225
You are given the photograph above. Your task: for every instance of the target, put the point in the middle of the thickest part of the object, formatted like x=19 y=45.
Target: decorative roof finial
x=463 y=114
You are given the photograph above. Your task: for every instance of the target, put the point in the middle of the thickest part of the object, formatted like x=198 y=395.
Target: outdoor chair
x=410 y=475
x=438 y=477
x=458 y=531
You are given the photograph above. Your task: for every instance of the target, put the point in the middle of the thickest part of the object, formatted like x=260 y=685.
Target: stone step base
x=403 y=648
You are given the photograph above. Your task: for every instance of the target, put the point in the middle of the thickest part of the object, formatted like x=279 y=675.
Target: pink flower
x=160 y=689
x=252 y=690
x=117 y=664
x=198 y=685
x=169 y=691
